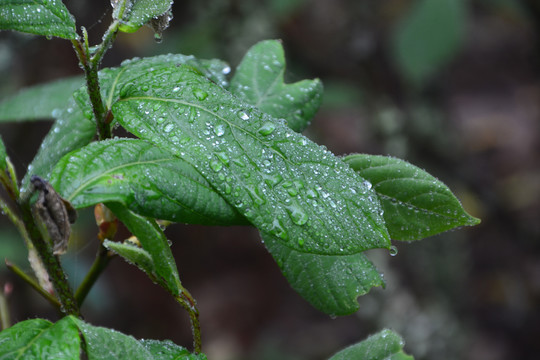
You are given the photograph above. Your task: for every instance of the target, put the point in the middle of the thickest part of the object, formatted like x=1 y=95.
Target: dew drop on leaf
x=393 y=250
x=242 y=115
x=200 y=94
x=219 y=130
x=297 y=214
x=267 y=128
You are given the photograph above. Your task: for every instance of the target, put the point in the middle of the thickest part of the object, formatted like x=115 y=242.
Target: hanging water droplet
x=393 y=250
x=158 y=38
x=267 y=128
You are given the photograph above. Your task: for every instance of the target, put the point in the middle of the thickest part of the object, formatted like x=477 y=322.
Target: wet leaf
x=331 y=283
x=385 y=345
x=112 y=80
x=39 y=339
x=258 y=80
x=39 y=101
x=415 y=203
x=283 y=183
x=145 y=178
x=40 y=17
x=107 y=344
x=155 y=243
x=136 y=13
x=133 y=255
x=167 y=350
x=70 y=131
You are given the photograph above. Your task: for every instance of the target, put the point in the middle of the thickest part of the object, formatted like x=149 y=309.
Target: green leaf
x=258 y=80
x=107 y=344
x=135 y=13
x=39 y=339
x=428 y=38
x=112 y=80
x=283 y=183
x=70 y=131
x=167 y=350
x=331 y=283
x=155 y=243
x=3 y=156
x=40 y=101
x=40 y=17
x=385 y=345
x=134 y=255
x=147 y=179
x=415 y=204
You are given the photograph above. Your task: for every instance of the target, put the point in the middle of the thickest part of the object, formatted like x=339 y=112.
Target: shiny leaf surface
x=145 y=178
x=415 y=203
x=40 y=17
x=385 y=345
x=258 y=80
x=283 y=183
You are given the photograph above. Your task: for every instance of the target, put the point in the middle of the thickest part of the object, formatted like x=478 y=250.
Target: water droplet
x=200 y=94
x=226 y=70
x=393 y=250
x=168 y=128
x=267 y=128
x=278 y=230
x=216 y=165
x=368 y=185
x=242 y=115
x=223 y=157
x=158 y=38
x=219 y=130
x=176 y=89
x=297 y=214
x=301 y=242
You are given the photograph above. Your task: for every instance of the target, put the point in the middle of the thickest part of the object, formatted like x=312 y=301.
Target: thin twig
x=100 y=263
x=27 y=279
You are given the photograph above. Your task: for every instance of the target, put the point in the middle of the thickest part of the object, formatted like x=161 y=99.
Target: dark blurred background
x=452 y=86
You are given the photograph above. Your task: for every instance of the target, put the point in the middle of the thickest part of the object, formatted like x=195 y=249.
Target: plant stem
x=186 y=300
x=100 y=263
x=10 y=213
x=52 y=264
x=5 y=320
x=90 y=64
x=17 y=271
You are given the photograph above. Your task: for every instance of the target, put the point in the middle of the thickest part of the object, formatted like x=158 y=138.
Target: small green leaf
x=147 y=179
x=167 y=350
x=258 y=80
x=39 y=339
x=70 y=131
x=428 y=38
x=39 y=102
x=415 y=204
x=40 y=17
x=107 y=344
x=134 y=255
x=283 y=183
x=331 y=283
x=3 y=156
x=385 y=345
x=155 y=243
x=135 y=13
